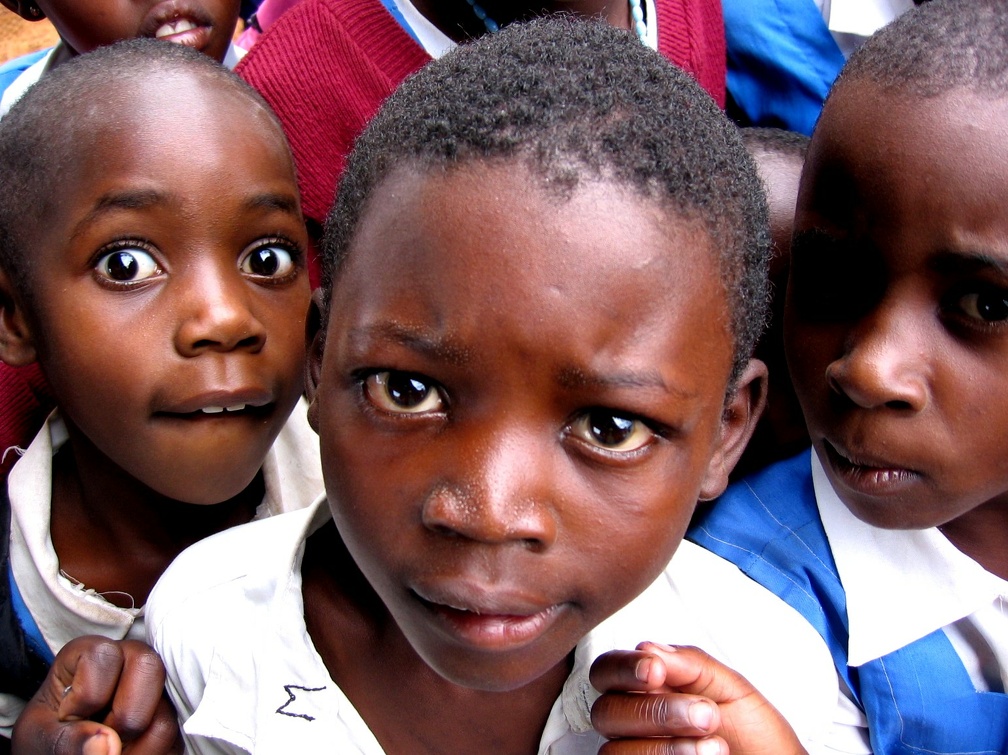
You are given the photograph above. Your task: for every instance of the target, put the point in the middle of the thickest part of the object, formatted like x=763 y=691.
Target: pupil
x=610 y=430
x=264 y=262
x=407 y=391
x=122 y=266
x=994 y=308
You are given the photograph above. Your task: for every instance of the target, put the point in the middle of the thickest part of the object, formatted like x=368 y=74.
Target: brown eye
x=989 y=306
x=402 y=393
x=126 y=265
x=611 y=431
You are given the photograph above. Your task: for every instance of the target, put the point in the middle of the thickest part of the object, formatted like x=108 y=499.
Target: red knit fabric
x=326 y=66
x=26 y=402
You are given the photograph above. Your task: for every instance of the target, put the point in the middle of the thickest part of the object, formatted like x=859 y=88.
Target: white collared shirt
x=902 y=585
x=61 y=608
x=228 y=620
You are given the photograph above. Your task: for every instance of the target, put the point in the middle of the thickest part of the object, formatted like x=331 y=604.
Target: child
x=893 y=541
x=152 y=261
x=545 y=272
x=206 y=25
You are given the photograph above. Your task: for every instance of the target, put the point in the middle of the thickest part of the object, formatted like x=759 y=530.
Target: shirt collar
x=901 y=585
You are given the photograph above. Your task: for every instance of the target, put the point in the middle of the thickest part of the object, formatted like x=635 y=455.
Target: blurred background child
x=891 y=536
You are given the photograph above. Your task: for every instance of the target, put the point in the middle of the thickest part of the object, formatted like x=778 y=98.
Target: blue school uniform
x=918 y=699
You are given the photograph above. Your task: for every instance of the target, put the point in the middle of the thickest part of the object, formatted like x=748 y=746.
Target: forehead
x=197 y=122
x=486 y=248
x=891 y=161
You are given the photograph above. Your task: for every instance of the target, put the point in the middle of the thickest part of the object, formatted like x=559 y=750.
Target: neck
x=407 y=706
x=114 y=534
x=982 y=534
x=456 y=19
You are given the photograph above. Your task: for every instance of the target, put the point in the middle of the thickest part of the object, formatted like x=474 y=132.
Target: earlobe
x=315 y=337
x=741 y=413
x=17 y=346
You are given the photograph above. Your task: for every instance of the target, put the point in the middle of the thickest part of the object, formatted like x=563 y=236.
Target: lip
x=173 y=11
x=492 y=619
x=218 y=403
x=867 y=474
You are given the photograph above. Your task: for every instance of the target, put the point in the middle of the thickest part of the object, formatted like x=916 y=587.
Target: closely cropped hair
x=937 y=47
x=574 y=101
x=47 y=127
x=775 y=141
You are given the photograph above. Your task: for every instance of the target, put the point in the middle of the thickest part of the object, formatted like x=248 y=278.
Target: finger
x=691 y=670
x=654 y=714
x=89 y=667
x=161 y=737
x=139 y=691
x=33 y=735
x=627 y=671
x=706 y=746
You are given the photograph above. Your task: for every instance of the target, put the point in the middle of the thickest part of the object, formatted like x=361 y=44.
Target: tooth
x=174 y=27
x=236 y=408
x=212 y=409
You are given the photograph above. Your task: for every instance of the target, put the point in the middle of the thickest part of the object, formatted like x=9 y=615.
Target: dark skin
x=202 y=273
x=457 y=20
x=904 y=384
x=422 y=723
x=466 y=447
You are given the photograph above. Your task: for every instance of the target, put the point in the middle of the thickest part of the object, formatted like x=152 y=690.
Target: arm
x=659 y=699
x=101 y=697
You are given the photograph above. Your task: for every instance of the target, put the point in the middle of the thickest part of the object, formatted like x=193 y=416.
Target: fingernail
x=708 y=747
x=96 y=744
x=701 y=715
x=643 y=669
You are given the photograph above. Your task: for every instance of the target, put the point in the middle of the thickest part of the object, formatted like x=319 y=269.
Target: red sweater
x=326 y=66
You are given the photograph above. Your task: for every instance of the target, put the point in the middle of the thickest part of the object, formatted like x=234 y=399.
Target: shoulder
x=745 y=626
x=18 y=74
x=218 y=574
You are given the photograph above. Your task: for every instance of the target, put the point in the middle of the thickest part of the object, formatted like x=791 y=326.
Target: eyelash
x=572 y=428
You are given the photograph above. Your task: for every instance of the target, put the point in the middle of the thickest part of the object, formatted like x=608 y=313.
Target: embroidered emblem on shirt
x=291 y=690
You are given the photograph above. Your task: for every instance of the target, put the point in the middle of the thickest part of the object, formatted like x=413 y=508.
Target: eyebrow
x=140 y=199
x=574 y=377
x=414 y=339
x=951 y=262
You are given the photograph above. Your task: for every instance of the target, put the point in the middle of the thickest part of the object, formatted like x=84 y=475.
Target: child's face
x=169 y=283
x=897 y=312
x=521 y=400
x=207 y=25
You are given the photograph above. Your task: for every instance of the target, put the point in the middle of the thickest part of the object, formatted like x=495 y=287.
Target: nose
x=216 y=313
x=885 y=360
x=498 y=495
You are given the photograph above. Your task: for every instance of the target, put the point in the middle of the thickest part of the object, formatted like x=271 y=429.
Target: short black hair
x=41 y=134
x=761 y=140
x=574 y=100
x=937 y=47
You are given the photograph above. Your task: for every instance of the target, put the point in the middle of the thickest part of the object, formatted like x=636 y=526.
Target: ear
x=17 y=345
x=741 y=413
x=315 y=337
x=27 y=9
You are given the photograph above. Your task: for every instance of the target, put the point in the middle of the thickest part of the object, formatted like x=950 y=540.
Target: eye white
x=402 y=393
x=126 y=265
